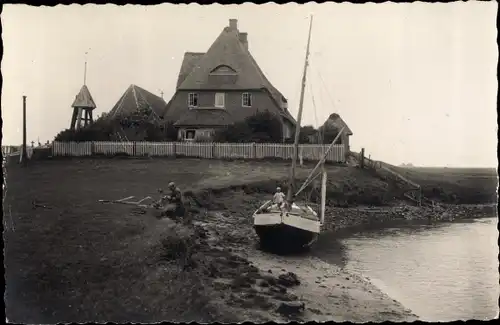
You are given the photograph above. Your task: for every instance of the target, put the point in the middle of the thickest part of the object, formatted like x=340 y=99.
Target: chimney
x=244 y=39
x=233 y=24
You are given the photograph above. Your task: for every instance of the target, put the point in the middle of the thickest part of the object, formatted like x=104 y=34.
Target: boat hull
x=283 y=238
x=295 y=231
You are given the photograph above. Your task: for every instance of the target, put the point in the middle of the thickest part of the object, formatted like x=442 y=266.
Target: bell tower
x=83 y=106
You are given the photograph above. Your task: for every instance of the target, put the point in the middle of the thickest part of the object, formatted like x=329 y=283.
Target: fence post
x=92 y=148
x=254 y=151
x=134 y=149
x=174 y=148
x=362 y=160
x=213 y=150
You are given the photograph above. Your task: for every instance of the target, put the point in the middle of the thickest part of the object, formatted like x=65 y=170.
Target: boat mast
x=299 y=119
x=323 y=194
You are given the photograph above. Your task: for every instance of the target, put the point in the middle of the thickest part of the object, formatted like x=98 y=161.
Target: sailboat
x=299 y=225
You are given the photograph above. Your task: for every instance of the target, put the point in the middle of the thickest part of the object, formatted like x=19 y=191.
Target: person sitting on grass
x=172 y=203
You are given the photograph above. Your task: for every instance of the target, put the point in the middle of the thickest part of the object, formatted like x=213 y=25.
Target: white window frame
x=249 y=98
x=191 y=97
x=219 y=96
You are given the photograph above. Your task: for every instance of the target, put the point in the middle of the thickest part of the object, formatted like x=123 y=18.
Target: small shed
x=335 y=122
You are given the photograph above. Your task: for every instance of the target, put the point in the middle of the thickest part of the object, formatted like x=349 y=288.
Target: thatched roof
x=205 y=117
x=190 y=59
x=84 y=99
x=135 y=98
x=229 y=51
x=335 y=121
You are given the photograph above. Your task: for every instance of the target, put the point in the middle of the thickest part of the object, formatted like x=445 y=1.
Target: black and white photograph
x=228 y=163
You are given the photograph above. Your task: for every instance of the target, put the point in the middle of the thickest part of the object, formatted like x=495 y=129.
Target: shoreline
x=328 y=291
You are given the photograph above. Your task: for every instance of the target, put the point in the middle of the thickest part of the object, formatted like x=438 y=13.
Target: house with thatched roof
x=223 y=86
x=332 y=126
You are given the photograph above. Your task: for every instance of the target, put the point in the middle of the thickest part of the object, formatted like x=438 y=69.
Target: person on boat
x=279 y=197
x=278 y=200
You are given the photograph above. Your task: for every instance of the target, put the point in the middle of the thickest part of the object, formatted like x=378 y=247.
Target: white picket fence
x=16 y=151
x=198 y=150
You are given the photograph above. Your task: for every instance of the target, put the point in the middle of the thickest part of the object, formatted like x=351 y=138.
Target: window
x=219 y=99
x=223 y=70
x=190 y=134
x=246 y=100
x=193 y=100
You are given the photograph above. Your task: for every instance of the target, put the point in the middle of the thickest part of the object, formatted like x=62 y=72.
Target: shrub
x=262 y=127
x=306 y=132
x=100 y=130
x=104 y=130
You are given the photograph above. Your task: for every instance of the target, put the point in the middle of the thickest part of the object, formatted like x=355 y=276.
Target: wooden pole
x=24 y=153
x=320 y=162
x=323 y=193
x=291 y=184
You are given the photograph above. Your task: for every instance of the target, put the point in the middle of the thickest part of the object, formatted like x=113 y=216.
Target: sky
x=415 y=82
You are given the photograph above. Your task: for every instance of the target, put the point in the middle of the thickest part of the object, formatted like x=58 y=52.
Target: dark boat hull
x=284 y=238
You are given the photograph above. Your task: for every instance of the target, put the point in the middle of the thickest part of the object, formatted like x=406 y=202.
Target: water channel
x=442 y=272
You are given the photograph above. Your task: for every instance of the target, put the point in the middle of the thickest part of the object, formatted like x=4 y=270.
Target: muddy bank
x=342 y=211
x=259 y=286
x=324 y=292
x=359 y=218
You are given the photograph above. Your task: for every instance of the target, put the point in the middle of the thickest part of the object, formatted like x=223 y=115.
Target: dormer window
x=246 y=100
x=222 y=75
x=223 y=70
x=219 y=100
x=284 y=102
x=193 y=100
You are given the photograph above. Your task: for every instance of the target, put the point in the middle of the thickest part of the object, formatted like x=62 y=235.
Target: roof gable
x=227 y=50
x=228 y=65
x=135 y=98
x=84 y=99
x=335 y=121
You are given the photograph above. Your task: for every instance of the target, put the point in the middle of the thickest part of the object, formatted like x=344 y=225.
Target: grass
x=77 y=260
x=455 y=185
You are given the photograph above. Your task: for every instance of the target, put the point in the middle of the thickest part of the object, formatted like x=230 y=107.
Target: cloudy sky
x=415 y=82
